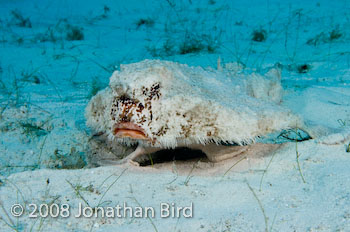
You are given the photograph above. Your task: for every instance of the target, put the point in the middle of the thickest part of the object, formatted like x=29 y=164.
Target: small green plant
x=189 y=176
x=31 y=75
x=297 y=156
x=77 y=188
x=233 y=166
x=74 y=33
x=335 y=34
x=182 y=35
x=3 y=88
x=325 y=37
x=59 y=32
x=265 y=170
x=15 y=226
x=347 y=149
x=19 y=40
x=191 y=44
x=12 y=90
x=266 y=219
x=71 y=160
x=32 y=129
x=2 y=110
x=48 y=36
x=20 y=20
x=259 y=35
x=8 y=221
x=100 y=202
x=303 y=68
x=88 y=188
x=49 y=200
x=195 y=43
x=151 y=159
x=139 y=204
x=174 y=170
x=96 y=85
x=342 y=122
x=296 y=135
x=319 y=38
x=148 y=22
x=108 y=68
x=168 y=48
x=106 y=10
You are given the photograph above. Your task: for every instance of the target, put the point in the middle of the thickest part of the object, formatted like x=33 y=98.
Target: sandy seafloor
x=49 y=74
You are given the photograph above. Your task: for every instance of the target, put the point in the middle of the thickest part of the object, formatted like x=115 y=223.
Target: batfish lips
x=129 y=130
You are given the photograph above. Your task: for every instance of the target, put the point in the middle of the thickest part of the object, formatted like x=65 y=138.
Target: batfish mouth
x=129 y=130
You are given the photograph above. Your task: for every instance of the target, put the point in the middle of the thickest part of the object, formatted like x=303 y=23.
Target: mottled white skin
x=177 y=105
